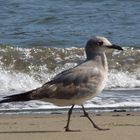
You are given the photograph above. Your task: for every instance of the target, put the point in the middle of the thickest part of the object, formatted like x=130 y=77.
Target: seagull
x=76 y=85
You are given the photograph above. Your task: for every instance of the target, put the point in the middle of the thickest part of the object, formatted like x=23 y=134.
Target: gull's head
x=99 y=44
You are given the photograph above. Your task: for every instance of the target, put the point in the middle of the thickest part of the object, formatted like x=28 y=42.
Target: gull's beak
x=113 y=46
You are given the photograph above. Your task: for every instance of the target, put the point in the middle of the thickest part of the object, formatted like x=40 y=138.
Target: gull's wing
x=65 y=85
x=70 y=82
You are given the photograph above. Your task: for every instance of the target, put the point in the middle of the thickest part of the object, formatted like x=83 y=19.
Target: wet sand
x=123 y=125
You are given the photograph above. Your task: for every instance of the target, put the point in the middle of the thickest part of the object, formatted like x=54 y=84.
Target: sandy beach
x=123 y=125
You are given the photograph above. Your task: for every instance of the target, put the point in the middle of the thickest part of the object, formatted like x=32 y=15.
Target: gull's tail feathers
x=26 y=96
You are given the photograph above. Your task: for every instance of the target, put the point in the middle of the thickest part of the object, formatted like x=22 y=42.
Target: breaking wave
x=26 y=68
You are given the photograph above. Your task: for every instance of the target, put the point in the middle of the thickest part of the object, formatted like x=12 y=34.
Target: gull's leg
x=69 y=115
x=86 y=115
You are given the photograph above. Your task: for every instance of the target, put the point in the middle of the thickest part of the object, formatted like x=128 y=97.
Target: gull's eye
x=100 y=43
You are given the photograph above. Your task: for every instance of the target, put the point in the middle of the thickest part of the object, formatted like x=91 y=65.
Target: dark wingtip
x=17 y=97
x=5 y=101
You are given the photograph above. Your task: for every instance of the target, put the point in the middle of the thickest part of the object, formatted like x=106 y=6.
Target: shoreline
x=123 y=125
x=64 y=110
x=108 y=101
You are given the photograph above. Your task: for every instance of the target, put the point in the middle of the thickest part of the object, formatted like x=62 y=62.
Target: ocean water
x=39 y=39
